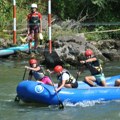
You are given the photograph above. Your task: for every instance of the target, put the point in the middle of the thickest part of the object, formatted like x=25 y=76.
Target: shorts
x=34 y=29
x=75 y=85
x=46 y=80
x=99 y=78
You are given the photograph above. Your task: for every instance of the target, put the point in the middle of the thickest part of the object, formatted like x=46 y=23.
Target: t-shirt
x=65 y=76
x=35 y=14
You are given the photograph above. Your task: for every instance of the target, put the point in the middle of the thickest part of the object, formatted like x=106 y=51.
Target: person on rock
x=34 y=27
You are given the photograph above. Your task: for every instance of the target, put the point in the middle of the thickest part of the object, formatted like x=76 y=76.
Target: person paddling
x=65 y=78
x=34 y=27
x=37 y=72
x=93 y=64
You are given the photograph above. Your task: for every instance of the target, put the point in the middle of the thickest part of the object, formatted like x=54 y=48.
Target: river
x=11 y=73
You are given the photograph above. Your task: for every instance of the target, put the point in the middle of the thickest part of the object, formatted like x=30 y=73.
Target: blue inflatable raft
x=32 y=91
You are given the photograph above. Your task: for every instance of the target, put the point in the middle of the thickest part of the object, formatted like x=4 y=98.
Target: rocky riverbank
x=68 y=49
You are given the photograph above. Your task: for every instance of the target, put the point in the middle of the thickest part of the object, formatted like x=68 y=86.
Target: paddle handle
x=61 y=106
x=24 y=74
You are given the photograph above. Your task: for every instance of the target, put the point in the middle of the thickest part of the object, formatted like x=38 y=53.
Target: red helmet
x=58 y=68
x=32 y=61
x=88 y=52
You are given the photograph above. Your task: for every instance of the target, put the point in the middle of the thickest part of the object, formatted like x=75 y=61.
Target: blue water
x=11 y=73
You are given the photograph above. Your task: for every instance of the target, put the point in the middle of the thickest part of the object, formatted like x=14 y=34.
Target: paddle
x=17 y=99
x=77 y=76
x=24 y=74
x=61 y=106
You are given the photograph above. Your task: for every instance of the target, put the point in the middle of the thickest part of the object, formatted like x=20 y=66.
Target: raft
x=13 y=50
x=32 y=91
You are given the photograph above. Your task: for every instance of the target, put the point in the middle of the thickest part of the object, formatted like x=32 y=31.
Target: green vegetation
x=104 y=12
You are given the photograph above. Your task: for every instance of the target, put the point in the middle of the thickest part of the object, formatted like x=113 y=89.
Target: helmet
x=88 y=52
x=32 y=61
x=58 y=68
x=33 y=5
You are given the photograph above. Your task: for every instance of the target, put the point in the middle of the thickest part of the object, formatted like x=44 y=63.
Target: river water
x=11 y=73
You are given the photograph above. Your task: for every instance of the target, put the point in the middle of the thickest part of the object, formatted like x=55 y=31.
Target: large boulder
x=70 y=49
x=110 y=49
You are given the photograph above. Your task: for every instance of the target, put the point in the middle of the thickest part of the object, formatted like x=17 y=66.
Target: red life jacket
x=34 y=19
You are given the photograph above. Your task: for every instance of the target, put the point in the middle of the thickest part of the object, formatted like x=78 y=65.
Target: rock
x=70 y=49
x=51 y=59
x=110 y=49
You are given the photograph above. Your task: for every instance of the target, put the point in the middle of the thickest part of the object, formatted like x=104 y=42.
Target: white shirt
x=65 y=76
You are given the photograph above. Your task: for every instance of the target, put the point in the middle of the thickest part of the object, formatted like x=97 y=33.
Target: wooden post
x=14 y=21
x=49 y=26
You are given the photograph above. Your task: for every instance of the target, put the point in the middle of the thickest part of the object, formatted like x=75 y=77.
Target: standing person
x=37 y=72
x=65 y=78
x=93 y=64
x=34 y=26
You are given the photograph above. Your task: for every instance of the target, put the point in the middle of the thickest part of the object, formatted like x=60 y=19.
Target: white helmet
x=33 y=5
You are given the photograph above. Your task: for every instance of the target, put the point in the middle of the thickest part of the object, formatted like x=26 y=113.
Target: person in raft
x=34 y=27
x=93 y=64
x=117 y=82
x=65 y=78
x=37 y=71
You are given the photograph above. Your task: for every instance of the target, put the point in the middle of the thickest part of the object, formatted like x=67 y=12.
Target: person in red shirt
x=34 y=27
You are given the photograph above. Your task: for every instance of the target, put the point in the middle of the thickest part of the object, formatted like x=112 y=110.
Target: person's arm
x=65 y=77
x=61 y=86
x=40 y=25
x=40 y=17
x=88 y=60
x=50 y=72
x=28 y=25
x=91 y=60
x=28 y=28
x=34 y=69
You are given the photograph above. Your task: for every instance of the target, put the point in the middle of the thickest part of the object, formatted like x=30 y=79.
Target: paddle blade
x=17 y=99
x=61 y=106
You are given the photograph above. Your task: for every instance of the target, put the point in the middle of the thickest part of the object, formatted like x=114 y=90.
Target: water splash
x=85 y=103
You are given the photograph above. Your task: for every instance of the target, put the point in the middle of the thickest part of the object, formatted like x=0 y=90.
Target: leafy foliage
x=80 y=10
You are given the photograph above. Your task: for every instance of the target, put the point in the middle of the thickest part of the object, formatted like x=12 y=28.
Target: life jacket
x=38 y=75
x=95 y=67
x=34 y=19
x=70 y=80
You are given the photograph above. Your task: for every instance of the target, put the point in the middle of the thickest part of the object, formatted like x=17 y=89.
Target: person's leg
x=36 y=40
x=90 y=80
x=47 y=80
x=30 y=39
x=117 y=82
x=72 y=85
x=68 y=85
x=36 y=34
x=101 y=79
x=103 y=82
